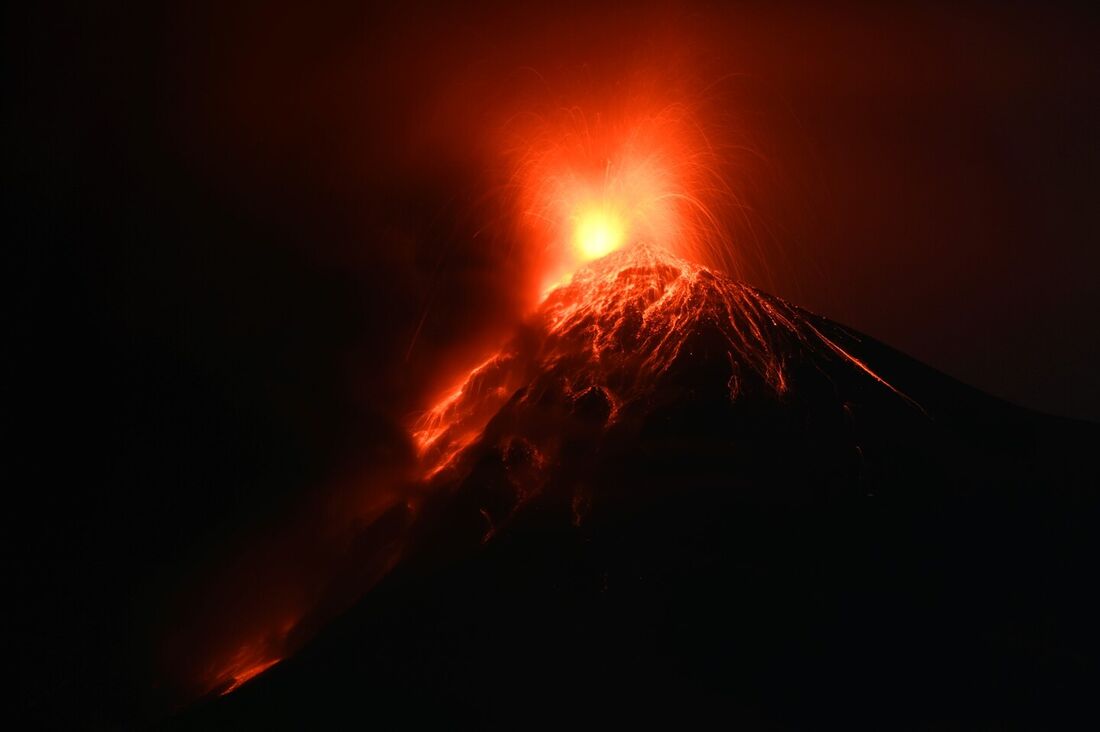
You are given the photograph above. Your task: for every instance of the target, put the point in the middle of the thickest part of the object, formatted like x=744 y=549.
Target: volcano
x=672 y=497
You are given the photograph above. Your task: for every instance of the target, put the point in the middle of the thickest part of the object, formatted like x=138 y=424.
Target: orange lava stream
x=240 y=676
x=250 y=660
x=619 y=324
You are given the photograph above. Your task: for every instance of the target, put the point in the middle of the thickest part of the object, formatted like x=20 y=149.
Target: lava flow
x=617 y=327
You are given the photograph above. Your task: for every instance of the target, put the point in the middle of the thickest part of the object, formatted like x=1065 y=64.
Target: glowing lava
x=617 y=327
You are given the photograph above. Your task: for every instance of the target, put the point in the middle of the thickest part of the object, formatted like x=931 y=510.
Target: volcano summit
x=672 y=496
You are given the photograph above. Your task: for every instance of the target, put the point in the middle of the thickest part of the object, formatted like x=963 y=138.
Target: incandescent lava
x=618 y=326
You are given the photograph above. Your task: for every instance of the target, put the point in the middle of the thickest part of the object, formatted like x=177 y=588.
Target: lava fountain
x=584 y=186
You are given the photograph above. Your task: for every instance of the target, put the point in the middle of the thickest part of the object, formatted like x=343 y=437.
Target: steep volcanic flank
x=674 y=495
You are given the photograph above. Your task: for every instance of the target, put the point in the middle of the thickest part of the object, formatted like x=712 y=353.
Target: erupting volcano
x=522 y=365
x=672 y=494
x=670 y=486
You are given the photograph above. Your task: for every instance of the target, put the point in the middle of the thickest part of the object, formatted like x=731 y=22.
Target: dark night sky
x=228 y=225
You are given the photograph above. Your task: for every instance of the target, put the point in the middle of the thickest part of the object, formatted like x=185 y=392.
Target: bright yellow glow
x=598 y=232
